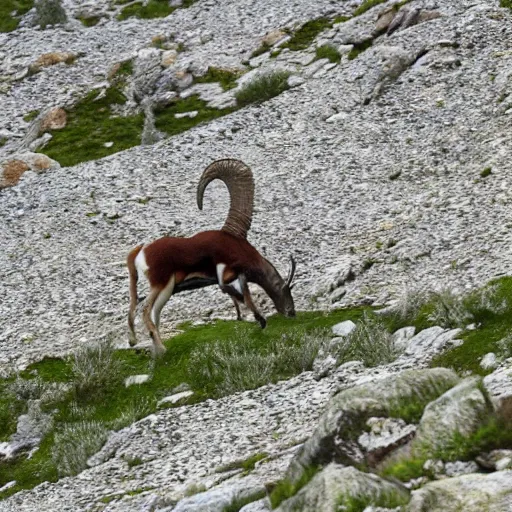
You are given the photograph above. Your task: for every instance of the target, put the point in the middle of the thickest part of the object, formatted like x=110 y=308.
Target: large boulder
x=460 y=410
x=499 y=387
x=336 y=485
x=470 y=493
x=336 y=437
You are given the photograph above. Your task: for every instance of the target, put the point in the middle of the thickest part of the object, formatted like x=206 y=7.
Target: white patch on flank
x=141 y=263
x=237 y=286
x=162 y=298
x=220 y=273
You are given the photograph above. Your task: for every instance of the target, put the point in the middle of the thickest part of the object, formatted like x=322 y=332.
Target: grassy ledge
x=225 y=77
x=92 y=125
x=152 y=9
x=90 y=397
x=8 y=20
x=263 y=88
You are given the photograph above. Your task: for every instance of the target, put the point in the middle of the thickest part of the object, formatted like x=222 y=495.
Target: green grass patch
x=91 y=124
x=359 y=48
x=486 y=172
x=492 y=435
x=506 y=3
x=366 y=5
x=90 y=21
x=286 y=488
x=238 y=503
x=111 y=405
x=328 y=51
x=166 y=121
x=265 y=47
x=225 y=77
x=491 y=310
x=263 y=88
x=153 y=9
x=30 y=116
x=8 y=20
x=246 y=464
x=306 y=34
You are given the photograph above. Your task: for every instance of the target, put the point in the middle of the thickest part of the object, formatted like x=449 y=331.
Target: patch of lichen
x=11 y=12
x=91 y=124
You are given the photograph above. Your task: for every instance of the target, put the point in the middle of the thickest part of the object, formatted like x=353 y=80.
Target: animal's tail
x=132 y=269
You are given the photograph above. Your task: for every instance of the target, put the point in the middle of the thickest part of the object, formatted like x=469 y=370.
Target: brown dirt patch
x=12 y=171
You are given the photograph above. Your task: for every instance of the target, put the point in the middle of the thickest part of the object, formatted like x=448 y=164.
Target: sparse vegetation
x=227 y=78
x=359 y=48
x=90 y=21
x=166 y=121
x=265 y=47
x=151 y=9
x=238 y=503
x=117 y=406
x=11 y=12
x=50 y=12
x=246 y=464
x=92 y=123
x=328 y=51
x=263 y=88
x=486 y=172
x=75 y=443
x=238 y=363
x=305 y=35
x=370 y=342
x=506 y=3
x=30 y=116
x=95 y=370
x=286 y=488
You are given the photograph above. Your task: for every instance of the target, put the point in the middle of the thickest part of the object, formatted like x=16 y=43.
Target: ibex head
x=281 y=292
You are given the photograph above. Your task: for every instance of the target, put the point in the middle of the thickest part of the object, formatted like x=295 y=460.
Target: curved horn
x=289 y=279
x=239 y=181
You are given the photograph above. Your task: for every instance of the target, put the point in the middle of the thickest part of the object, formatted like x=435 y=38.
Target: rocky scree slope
x=373 y=164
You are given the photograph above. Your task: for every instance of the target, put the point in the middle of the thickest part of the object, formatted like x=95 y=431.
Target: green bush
x=370 y=342
x=75 y=443
x=263 y=88
x=95 y=370
x=238 y=363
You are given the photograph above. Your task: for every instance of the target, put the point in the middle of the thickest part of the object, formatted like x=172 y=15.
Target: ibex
x=222 y=257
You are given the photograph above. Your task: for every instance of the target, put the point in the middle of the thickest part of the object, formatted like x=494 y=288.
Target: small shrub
x=238 y=364
x=133 y=461
x=238 y=503
x=30 y=116
x=135 y=410
x=27 y=389
x=194 y=489
x=328 y=52
x=366 y=5
x=449 y=310
x=265 y=47
x=370 y=342
x=95 y=370
x=263 y=88
x=50 y=12
x=75 y=443
x=486 y=172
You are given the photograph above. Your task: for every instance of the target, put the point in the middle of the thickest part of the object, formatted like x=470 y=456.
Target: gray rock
x=175 y=398
x=471 y=493
x=495 y=459
x=146 y=70
x=343 y=328
x=489 y=361
x=459 y=468
x=335 y=438
x=402 y=337
x=257 y=506
x=218 y=498
x=459 y=410
x=335 y=485
x=499 y=387
x=136 y=379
